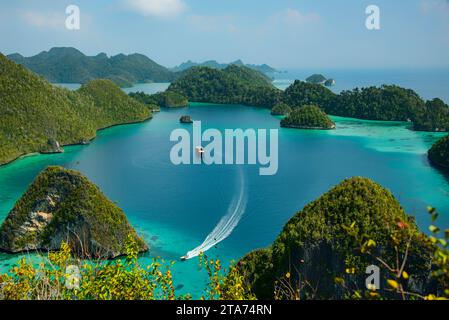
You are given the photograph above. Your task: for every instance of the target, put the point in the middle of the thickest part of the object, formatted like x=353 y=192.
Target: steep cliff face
x=62 y=205
x=319 y=243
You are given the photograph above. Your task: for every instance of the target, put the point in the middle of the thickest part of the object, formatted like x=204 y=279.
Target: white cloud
x=44 y=19
x=157 y=8
x=294 y=17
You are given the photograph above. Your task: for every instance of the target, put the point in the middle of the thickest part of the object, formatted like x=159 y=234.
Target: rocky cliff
x=63 y=205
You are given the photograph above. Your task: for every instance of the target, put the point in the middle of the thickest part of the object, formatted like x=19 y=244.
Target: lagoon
x=176 y=207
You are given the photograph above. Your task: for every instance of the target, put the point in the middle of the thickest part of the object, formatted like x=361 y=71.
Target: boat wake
x=227 y=224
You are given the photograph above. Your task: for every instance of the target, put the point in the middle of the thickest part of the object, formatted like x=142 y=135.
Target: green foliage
x=434 y=117
x=316 y=79
x=222 y=285
x=112 y=104
x=303 y=93
x=68 y=65
x=308 y=117
x=113 y=280
x=33 y=112
x=80 y=213
x=264 y=68
x=388 y=102
x=167 y=99
x=281 y=109
x=400 y=281
x=439 y=153
x=318 y=244
x=385 y=103
x=233 y=85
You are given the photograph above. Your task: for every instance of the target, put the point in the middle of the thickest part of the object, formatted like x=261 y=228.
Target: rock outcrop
x=186 y=119
x=53 y=146
x=63 y=205
x=439 y=153
x=320 y=243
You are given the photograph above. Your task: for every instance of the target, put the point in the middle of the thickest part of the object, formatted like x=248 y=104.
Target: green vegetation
x=439 y=153
x=316 y=79
x=434 y=117
x=167 y=99
x=232 y=85
x=68 y=65
x=114 y=280
x=112 y=104
x=388 y=103
x=385 y=103
x=264 y=68
x=281 y=109
x=172 y=100
x=120 y=279
x=303 y=93
x=62 y=205
x=308 y=117
x=334 y=239
x=35 y=115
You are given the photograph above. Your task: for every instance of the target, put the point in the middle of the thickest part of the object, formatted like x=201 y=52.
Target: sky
x=281 y=33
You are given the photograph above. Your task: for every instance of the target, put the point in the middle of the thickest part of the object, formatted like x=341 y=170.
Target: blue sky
x=282 y=33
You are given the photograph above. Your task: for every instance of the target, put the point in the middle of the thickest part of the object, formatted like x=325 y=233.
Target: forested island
x=232 y=85
x=69 y=65
x=64 y=206
x=308 y=117
x=167 y=99
x=37 y=116
x=323 y=251
x=242 y=85
x=264 y=68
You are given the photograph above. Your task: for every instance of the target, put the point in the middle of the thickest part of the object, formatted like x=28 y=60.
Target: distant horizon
x=278 y=68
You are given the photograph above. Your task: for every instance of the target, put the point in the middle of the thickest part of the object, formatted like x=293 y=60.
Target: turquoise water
x=175 y=207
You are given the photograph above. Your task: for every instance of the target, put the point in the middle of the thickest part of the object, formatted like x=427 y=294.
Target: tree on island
x=167 y=99
x=308 y=117
x=281 y=109
x=232 y=85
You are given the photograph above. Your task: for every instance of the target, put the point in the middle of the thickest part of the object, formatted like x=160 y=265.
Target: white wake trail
x=227 y=224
